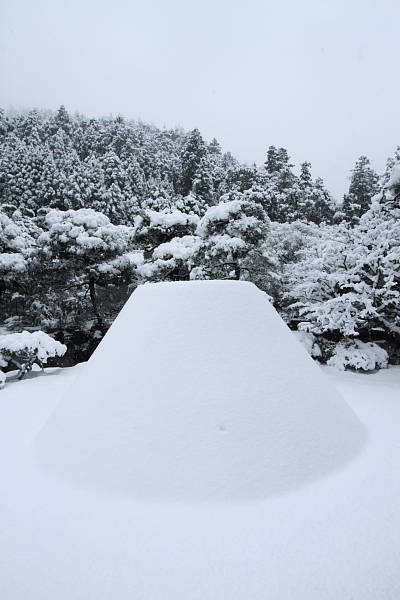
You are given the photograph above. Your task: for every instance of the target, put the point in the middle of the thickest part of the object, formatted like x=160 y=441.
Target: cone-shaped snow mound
x=199 y=391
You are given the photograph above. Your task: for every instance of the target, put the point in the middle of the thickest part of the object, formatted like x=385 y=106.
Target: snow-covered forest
x=92 y=208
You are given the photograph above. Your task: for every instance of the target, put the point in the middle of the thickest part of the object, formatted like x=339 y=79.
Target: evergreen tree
x=167 y=240
x=18 y=234
x=363 y=186
x=63 y=121
x=277 y=160
x=82 y=249
x=322 y=206
x=229 y=232
x=4 y=124
x=281 y=186
x=241 y=178
x=192 y=157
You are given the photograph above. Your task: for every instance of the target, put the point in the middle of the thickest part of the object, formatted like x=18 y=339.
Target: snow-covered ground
x=334 y=538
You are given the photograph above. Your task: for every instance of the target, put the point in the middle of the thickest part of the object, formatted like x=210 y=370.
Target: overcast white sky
x=318 y=77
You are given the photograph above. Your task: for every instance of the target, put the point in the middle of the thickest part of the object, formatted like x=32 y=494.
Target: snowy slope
x=199 y=391
x=335 y=537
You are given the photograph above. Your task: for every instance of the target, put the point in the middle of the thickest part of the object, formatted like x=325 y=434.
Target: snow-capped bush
x=24 y=349
x=2 y=380
x=308 y=342
x=355 y=354
x=84 y=233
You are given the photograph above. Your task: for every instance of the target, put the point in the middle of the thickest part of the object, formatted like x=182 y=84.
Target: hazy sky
x=318 y=77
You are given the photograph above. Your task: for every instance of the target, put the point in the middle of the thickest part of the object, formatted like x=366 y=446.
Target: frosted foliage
x=356 y=354
x=39 y=342
x=2 y=379
x=16 y=243
x=178 y=248
x=225 y=244
x=169 y=256
x=12 y=262
x=84 y=231
x=170 y=218
x=199 y=392
x=229 y=232
x=168 y=243
x=307 y=340
x=23 y=349
x=345 y=313
x=162 y=222
x=118 y=265
x=348 y=279
x=237 y=218
x=394 y=180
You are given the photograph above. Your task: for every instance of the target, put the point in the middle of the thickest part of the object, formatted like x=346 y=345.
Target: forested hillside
x=91 y=208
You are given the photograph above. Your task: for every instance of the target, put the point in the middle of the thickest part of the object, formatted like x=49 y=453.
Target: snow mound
x=199 y=391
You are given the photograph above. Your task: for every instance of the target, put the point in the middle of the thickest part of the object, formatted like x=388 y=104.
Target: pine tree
x=363 y=186
x=241 y=178
x=322 y=206
x=63 y=121
x=83 y=249
x=281 y=186
x=229 y=232
x=192 y=155
x=4 y=124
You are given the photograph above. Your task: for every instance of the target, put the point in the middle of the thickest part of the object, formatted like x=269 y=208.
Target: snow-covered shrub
x=24 y=349
x=308 y=341
x=2 y=380
x=355 y=354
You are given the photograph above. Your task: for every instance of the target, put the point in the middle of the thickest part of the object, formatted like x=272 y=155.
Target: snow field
x=336 y=537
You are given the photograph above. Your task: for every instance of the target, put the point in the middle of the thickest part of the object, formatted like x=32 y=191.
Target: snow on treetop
x=394 y=177
x=240 y=217
x=12 y=262
x=178 y=248
x=221 y=212
x=167 y=218
x=85 y=230
x=39 y=342
x=86 y=217
x=14 y=236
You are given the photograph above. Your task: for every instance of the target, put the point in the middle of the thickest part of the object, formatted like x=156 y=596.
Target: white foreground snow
x=334 y=538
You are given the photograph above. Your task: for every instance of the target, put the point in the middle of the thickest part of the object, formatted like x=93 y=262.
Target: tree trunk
x=236 y=266
x=93 y=298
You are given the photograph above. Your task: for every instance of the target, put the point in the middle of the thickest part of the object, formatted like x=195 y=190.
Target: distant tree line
x=91 y=208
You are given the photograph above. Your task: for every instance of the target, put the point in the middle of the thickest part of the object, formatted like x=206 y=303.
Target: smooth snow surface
x=199 y=392
x=333 y=539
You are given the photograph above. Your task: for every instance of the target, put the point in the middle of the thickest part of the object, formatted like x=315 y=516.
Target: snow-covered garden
x=93 y=208
x=199 y=369
x=192 y=459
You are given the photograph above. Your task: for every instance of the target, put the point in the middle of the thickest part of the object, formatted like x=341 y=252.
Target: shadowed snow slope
x=199 y=391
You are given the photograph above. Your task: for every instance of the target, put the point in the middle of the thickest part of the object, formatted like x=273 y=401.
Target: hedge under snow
x=359 y=355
